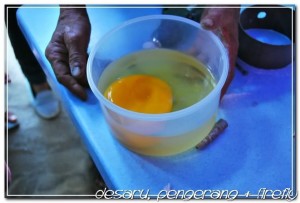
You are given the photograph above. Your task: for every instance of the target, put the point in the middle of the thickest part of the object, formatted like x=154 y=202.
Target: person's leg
x=24 y=55
x=31 y=68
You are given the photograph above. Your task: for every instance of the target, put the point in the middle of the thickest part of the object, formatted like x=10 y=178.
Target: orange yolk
x=141 y=93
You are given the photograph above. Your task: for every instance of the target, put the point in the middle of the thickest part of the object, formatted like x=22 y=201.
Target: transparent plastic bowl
x=167 y=133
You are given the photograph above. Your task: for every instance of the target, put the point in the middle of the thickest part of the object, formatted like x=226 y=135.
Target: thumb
x=77 y=61
x=208 y=23
x=77 y=54
x=211 y=18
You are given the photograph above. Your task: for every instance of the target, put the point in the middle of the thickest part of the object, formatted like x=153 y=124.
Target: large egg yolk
x=141 y=93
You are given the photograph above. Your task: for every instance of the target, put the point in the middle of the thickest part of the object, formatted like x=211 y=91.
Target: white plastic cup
x=168 y=133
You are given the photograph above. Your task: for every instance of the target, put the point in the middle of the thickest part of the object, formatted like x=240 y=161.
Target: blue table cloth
x=255 y=151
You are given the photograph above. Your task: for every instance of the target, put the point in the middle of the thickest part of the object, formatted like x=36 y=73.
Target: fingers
x=64 y=76
x=211 y=18
x=58 y=57
x=77 y=54
x=224 y=23
x=67 y=49
x=208 y=24
x=69 y=82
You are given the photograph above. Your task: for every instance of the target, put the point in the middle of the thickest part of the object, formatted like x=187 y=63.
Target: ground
x=46 y=157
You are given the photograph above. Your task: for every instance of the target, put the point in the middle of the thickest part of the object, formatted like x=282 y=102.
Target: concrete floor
x=46 y=157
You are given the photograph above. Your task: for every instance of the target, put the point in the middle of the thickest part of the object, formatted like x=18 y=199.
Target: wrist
x=66 y=10
x=233 y=11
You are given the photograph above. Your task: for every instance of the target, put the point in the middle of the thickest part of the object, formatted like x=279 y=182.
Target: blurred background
x=46 y=157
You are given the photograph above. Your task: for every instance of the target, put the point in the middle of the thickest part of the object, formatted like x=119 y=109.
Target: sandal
x=46 y=104
x=11 y=121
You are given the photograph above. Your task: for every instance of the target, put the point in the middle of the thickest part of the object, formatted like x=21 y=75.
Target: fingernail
x=75 y=71
x=207 y=23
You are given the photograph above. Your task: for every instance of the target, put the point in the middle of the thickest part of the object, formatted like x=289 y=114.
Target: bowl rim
x=164 y=116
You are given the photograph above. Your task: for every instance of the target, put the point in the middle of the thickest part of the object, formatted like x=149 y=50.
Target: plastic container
x=168 y=133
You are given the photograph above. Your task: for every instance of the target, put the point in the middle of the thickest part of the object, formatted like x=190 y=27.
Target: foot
x=45 y=103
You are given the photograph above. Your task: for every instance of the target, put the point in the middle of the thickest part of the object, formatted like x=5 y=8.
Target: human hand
x=67 y=49
x=224 y=22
